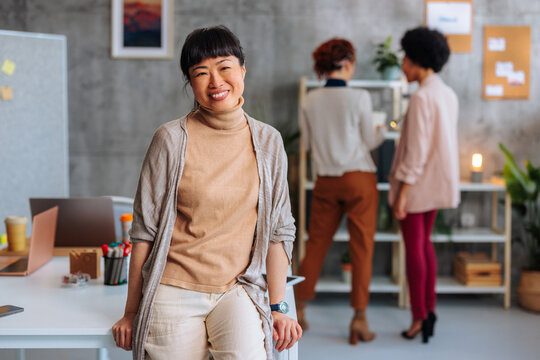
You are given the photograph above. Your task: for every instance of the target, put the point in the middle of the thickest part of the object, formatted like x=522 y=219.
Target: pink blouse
x=427 y=154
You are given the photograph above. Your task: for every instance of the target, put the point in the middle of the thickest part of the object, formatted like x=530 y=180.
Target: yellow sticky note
x=6 y=93
x=8 y=67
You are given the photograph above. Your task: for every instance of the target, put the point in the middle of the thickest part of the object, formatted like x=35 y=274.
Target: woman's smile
x=218 y=96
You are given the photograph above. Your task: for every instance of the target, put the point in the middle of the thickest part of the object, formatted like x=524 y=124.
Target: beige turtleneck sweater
x=217 y=204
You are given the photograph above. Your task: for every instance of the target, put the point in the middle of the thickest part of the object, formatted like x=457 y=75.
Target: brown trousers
x=355 y=194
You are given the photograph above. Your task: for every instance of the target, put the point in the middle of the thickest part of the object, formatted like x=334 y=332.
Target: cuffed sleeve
x=418 y=140
x=284 y=229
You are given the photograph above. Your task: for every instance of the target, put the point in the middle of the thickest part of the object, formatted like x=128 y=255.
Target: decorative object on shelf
x=524 y=189
x=346 y=267
x=477 y=166
x=476 y=270
x=468 y=220
x=387 y=61
x=142 y=29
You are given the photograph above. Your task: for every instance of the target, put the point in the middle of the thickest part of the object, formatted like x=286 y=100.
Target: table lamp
x=476 y=174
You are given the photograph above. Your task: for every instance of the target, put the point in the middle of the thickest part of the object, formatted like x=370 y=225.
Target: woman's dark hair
x=426 y=48
x=207 y=43
x=329 y=56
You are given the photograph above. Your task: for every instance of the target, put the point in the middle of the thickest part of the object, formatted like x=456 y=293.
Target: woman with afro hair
x=425 y=172
x=337 y=128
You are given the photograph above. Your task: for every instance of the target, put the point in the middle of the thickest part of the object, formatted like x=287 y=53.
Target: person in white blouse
x=336 y=125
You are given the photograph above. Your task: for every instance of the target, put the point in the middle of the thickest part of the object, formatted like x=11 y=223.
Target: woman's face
x=218 y=83
x=407 y=66
x=410 y=69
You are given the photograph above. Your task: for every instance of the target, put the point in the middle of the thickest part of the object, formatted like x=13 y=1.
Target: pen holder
x=115 y=270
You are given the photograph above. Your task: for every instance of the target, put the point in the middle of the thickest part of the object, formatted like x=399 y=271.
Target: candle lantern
x=476 y=174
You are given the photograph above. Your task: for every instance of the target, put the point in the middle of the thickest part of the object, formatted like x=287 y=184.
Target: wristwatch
x=282 y=307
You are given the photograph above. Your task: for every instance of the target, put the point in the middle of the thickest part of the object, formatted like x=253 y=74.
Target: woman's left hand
x=286 y=331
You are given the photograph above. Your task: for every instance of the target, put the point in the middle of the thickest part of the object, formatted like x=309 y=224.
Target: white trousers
x=190 y=325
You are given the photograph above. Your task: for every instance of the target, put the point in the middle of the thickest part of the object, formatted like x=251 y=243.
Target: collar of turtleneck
x=229 y=119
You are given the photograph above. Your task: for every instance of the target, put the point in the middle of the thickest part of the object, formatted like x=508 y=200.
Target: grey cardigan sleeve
x=284 y=229
x=149 y=199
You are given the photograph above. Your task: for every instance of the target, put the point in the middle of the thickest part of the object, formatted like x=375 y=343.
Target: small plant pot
x=390 y=73
x=346 y=273
x=528 y=290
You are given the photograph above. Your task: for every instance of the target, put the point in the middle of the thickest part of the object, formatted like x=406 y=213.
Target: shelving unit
x=395 y=282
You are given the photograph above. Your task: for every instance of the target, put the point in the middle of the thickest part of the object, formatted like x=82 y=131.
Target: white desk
x=61 y=317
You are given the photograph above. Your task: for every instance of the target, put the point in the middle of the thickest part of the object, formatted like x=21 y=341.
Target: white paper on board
x=496 y=44
x=504 y=68
x=450 y=17
x=494 y=90
x=516 y=78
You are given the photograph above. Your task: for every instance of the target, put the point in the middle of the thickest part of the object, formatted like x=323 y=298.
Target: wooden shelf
x=365 y=84
x=379 y=284
x=472 y=235
x=464 y=186
x=449 y=285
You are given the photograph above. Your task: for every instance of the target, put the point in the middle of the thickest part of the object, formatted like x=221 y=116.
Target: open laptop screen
x=81 y=221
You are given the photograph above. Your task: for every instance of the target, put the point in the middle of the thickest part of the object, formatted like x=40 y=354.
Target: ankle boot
x=359 y=329
x=300 y=307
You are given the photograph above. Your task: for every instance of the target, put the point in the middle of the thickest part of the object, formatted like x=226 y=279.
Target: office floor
x=469 y=327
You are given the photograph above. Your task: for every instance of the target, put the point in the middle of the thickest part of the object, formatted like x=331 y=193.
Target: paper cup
x=16 y=232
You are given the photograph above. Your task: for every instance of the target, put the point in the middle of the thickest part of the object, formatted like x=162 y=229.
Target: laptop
x=82 y=222
x=41 y=247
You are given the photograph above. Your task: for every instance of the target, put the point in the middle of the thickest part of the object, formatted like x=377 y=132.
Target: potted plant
x=387 y=61
x=346 y=267
x=524 y=188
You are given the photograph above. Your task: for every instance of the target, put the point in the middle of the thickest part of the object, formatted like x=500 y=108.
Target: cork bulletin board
x=507 y=56
x=453 y=18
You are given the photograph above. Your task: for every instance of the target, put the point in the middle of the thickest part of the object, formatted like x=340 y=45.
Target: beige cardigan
x=154 y=215
x=427 y=154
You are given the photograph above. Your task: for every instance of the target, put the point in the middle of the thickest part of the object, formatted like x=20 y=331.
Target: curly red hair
x=329 y=55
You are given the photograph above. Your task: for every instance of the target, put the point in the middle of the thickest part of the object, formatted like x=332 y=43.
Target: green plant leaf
x=524 y=180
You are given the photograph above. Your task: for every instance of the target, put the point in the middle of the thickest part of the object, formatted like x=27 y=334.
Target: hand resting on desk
x=123 y=330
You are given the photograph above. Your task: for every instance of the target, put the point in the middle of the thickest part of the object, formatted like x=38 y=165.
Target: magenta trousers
x=421 y=261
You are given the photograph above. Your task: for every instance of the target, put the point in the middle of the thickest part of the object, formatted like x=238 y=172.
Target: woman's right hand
x=123 y=330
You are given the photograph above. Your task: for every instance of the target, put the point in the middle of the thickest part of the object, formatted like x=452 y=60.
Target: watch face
x=284 y=307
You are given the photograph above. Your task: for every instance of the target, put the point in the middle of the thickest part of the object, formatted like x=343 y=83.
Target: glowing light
x=477 y=162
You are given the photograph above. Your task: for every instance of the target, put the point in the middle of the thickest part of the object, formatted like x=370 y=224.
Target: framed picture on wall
x=142 y=29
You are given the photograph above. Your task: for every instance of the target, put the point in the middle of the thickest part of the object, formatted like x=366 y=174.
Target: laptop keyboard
x=18 y=266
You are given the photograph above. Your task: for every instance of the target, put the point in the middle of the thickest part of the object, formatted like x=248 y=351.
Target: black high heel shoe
x=405 y=333
x=432 y=318
x=425 y=331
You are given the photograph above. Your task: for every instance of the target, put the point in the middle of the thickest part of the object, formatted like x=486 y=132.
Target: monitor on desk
x=82 y=222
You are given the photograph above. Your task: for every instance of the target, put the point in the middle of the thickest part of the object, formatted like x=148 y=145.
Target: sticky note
x=516 y=78
x=8 y=67
x=6 y=93
x=504 y=68
x=496 y=44
x=494 y=90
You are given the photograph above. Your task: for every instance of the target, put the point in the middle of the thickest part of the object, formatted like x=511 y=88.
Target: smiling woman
x=211 y=208
x=218 y=83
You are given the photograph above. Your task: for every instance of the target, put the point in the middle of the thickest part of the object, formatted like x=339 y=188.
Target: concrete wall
x=115 y=105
